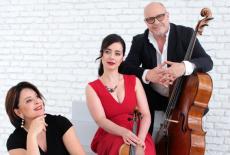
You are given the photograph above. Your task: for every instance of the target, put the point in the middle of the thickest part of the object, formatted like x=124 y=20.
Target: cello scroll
x=207 y=14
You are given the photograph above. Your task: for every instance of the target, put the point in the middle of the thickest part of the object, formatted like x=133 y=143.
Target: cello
x=130 y=149
x=181 y=132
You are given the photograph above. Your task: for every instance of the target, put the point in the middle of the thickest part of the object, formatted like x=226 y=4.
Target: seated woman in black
x=37 y=133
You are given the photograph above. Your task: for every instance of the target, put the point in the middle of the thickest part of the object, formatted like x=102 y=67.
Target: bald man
x=156 y=56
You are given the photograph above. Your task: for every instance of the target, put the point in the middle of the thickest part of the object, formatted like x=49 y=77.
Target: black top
x=57 y=126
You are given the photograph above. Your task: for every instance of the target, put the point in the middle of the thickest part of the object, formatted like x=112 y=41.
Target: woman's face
x=112 y=56
x=30 y=105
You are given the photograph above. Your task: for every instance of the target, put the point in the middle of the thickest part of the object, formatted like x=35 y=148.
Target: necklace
x=111 y=90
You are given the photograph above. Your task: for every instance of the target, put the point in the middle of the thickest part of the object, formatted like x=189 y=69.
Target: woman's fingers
x=131 y=142
x=39 y=124
x=131 y=138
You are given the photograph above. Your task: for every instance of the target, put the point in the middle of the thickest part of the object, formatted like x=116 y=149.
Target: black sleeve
x=15 y=142
x=63 y=124
x=132 y=63
x=200 y=58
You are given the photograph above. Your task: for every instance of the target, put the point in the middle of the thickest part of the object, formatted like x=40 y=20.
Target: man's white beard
x=160 y=34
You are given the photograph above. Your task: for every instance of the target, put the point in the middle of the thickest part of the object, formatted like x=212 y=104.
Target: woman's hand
x=130 y=138
x=141 y=143
x=38 y=125
x=140 y=150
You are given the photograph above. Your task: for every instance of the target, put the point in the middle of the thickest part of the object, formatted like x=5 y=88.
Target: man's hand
x=156 y=74
x=176 y=69
x=166 y=76
x=160 y=75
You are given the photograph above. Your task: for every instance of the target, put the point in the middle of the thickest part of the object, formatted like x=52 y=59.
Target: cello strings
x=179 y=81
x=176 y=89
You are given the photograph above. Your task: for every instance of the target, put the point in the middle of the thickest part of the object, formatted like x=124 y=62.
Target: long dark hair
x=107 y=41
x=12 y=100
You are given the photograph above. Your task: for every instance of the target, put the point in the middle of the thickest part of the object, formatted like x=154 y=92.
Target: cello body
x=186 y=137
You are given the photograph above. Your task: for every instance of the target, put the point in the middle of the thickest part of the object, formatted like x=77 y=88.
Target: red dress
x=105 y=143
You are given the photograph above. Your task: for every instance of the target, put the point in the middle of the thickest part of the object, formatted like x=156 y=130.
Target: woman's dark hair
x=12 y=100
x=107 y=41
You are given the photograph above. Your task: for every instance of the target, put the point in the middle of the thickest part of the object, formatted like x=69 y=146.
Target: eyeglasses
x=151 y=20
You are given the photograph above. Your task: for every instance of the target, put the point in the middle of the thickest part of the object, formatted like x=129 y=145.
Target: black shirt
x=57 y=126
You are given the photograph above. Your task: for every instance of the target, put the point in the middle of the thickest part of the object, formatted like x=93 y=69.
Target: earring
x=22 y=123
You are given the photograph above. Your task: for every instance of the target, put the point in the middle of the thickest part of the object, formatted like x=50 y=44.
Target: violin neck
x=132 y=148
x=135 y=127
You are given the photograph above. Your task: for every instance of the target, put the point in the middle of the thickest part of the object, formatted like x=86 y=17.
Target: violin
x=130 y=149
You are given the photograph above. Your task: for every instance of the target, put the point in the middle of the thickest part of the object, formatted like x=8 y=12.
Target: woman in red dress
x=112 y=98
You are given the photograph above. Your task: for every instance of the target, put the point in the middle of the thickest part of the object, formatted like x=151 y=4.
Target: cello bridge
x=172 y=121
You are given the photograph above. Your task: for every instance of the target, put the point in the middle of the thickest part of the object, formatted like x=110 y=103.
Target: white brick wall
x=53 y=44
